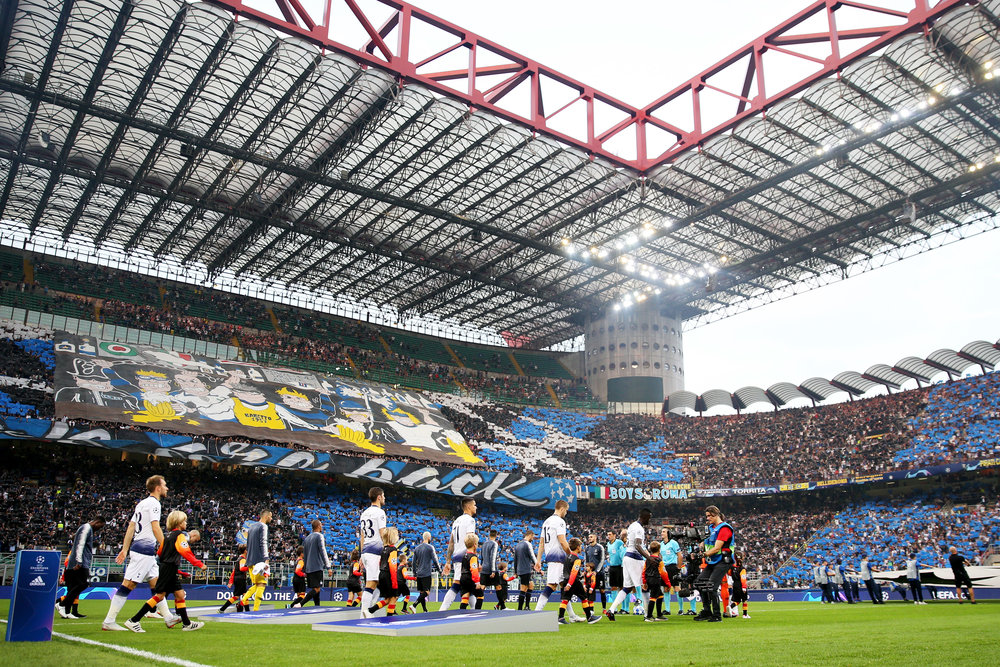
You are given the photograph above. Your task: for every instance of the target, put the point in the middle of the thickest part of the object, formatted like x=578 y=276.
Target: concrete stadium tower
x=634 y=355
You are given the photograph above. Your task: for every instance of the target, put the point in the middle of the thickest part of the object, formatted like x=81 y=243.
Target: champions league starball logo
x=770 y=597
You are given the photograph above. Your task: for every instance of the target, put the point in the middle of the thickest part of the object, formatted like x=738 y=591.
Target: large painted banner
x=143 y=386
x=499 y=487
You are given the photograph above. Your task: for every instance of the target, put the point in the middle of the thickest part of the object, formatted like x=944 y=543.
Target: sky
x=636 y=51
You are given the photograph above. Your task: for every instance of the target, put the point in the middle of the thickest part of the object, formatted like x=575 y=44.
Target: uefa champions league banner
x=145 y=386
x=499 y=487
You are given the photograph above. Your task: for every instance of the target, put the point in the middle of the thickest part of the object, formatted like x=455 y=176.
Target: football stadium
x=334 y=331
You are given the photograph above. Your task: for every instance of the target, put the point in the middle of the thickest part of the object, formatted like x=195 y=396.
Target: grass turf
x=788 y=633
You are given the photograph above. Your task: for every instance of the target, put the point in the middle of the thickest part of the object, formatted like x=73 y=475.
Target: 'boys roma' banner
x=158 y=389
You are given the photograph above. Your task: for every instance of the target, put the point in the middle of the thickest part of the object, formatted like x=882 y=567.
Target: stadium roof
x=817 y=389
x=258 y=142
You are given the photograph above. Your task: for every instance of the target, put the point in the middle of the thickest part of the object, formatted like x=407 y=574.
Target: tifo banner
x=145 y=386
x=498 y=487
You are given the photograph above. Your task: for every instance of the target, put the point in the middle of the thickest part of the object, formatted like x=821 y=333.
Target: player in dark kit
x=354 y=580
x=175 y=546
x=471 y=585
x=962 y=580
x=574 y=584
x=237 y=581
x=299 y=578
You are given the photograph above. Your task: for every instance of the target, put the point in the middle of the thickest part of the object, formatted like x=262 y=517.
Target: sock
x=391 y=611
x=744 y=607
x=405 y=602
x=479 y=601
x=449 y=597
x=618 y=601
x=366 y=597
x=465 y=601
x=586 y=610
x=147 y=607
x=163 y=609
x=315 y=597
x=562 y=609
x=649 y=609
x=180 y=606
x=544 y=598
x=225 y=606
x=421 y=601
x=670 y=600
x=604 y=599
x=76 y=608
x=117 y=602
x=520 y=601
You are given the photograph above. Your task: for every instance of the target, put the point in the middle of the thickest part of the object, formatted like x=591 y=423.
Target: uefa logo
x=40 y=559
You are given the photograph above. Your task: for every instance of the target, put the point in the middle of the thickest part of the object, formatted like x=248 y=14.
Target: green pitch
x=779 y=633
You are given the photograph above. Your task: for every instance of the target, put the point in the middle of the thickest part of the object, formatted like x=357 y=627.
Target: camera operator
x=718 y=560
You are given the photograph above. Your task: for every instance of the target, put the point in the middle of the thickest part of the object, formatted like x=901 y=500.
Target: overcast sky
x=636 y=51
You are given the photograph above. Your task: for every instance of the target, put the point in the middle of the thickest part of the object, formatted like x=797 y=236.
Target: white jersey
x=146 y=512
x=552 y=528
x=372 y=523
x=635 y=532
x=461 y=527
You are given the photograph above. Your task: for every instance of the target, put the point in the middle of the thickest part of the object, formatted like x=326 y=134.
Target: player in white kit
x=373 y=534
x=142 y=540
x=633 y=563
x=552 y=550
x=460 y=527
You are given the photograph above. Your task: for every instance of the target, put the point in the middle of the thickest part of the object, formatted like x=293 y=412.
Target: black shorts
x=615 y=577
x=403 y=590
x=599 y=583
x=385 y=587
x=239 y=586
x=656 y=590
x=962 y=579
x=576 y=589
x=492 y=579
x=424 y=583
x=674 y=573
x=353 y=584
x=298 y=584
x=524 y=579
x=469 y=586
x=168 y=581
x=76 y=577
x=314 y=579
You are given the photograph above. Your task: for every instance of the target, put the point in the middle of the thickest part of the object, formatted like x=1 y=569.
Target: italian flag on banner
x=601 y=492
x=117 y=349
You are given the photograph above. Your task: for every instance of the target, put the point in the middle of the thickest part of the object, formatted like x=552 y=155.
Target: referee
x=670 y=552
x=616 y=552
x=595 y=555
x=78 y=567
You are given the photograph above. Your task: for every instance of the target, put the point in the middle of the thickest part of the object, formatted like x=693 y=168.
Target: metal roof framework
x=854 y=384
x=260 y=146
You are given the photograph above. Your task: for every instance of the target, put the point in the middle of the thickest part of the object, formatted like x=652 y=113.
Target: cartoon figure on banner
x=94 y=385
x=151 y=386
x=209 y=404
x=402 y=426
x=299 y=411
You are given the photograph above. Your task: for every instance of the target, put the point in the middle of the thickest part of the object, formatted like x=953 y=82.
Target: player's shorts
x=371 y=563
x=599 y=583
x=656 y=590
x=632 y=572
x=141 y=568
x=314 y=579
x=553 y=574
x=423 y=583
x=615 y=576
x=674 y=573
x=524 y=579
x=298 y=584
x=456 y=573
x=261 y=576
x=491 y=579
x=239 y=586
x=962 y=580
x=168 y=581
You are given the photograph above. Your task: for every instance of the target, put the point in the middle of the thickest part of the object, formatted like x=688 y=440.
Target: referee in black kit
x=962 y=580
x=595 y=555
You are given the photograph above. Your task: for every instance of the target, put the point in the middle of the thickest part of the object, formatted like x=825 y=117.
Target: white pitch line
x=128 y=650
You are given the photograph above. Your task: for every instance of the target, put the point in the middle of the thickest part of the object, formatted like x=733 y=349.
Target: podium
x=33 y=598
